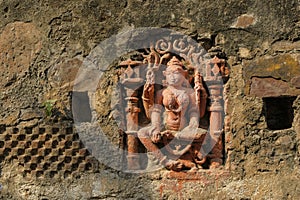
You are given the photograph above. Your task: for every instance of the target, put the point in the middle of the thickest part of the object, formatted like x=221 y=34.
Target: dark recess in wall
x=279 y=112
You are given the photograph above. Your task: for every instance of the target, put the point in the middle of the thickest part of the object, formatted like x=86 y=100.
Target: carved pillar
x=214 y=82
x=131 y=81
x=132 y=111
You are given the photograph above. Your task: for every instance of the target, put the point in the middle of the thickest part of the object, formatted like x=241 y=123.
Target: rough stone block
x=269 y=87
x=272 y=70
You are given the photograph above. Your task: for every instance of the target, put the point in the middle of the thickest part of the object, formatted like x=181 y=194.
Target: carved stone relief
x=174 y=106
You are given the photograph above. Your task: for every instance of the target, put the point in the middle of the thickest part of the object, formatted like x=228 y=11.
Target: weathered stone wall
x=43 y=45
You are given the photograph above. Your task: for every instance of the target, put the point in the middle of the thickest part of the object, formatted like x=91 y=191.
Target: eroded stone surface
x=244 y=21
x=283 y=67
x=269 y=87
x=261 y=160
x=20 y=44
x=296 y=82
x=284 y=46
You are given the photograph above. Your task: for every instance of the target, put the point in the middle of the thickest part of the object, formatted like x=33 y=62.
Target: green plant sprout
x=49 y=105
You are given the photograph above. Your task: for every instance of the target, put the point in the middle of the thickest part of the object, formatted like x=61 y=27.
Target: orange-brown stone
x=244 y=21
x=268 y=87
x=20 y=44
x=275 y=67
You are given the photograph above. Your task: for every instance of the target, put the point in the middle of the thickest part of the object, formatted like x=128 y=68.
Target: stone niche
x=172 y=106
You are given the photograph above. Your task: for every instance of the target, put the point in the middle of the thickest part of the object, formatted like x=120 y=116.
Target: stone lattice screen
x=45 y=151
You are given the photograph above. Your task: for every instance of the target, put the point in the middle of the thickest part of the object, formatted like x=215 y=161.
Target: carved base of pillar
x=153 y=162
x=216 y=155
x=133 y=162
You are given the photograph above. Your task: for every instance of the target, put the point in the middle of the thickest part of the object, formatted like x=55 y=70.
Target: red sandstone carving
x=174 y=137
x=130 y=78
x=178 y=102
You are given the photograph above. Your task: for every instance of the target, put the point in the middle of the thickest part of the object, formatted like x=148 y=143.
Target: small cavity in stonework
x=279 y=112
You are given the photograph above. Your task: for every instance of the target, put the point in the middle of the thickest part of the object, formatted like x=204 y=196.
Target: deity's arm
x=193 y=111
x=148 y=98
x=156 y=111
x=201 y=94
x=203 y=100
